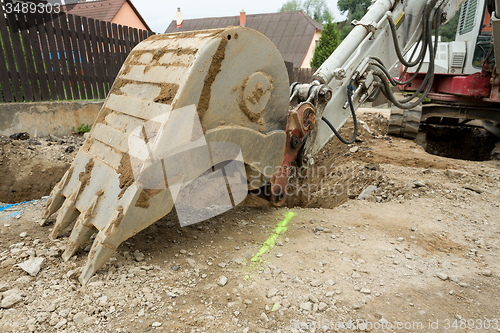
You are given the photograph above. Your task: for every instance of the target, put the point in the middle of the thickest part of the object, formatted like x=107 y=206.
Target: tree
x=449 y=30
x=317 y=9
x=328 y=42
x=355 y=10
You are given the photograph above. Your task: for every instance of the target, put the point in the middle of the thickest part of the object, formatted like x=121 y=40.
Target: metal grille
x=467 y=16
x=458 y=60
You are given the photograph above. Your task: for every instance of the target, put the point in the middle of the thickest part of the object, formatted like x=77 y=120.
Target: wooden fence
x=49 y=56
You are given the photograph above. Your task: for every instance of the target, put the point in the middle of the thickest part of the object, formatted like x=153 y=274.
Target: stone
x=366 y=192
x=330 y=282
x=23 y=234
x=175 y=268
x=356 y=275
x=365 y=291
x=102 y=300
x=308 y=306
x=156 y=324
x=272 y=292
x=79 y=318
x=139 y=256
x=90 y=320
x=322 y=306
x=60 y=323
x=136 y=271
x=488 y=273
x=264 y=317
x=442 y=276
x=222 y=281
x=354 y=149
x=191 y=262
x=313 y=298
x=316 y=283
x=32 y=266
x=4 y=287
x=11 y=298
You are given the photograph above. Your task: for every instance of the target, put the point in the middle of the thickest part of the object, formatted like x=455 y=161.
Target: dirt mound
x=30 y=168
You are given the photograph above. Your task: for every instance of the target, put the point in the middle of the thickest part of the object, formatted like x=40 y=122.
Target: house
x=120 y=12
x=294 y=33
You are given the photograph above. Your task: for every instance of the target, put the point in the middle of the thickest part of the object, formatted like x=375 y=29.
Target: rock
x=175 y=268
x=90 y=320
x=156 y=324
x=139 y=256
x=182 y=251
x=11 y=298
x=330 y=282
x=70 y=149
x=365 y=291
x=79 y=318
x=191 y=262
x=222 y=281
x=4 y=287
x=366 y=192
x=136 y=271
x=23 y=234
x=20 y=136
x=24 y=279
x=316 y=283
x=442 y=276
x=32 y=266
x=356 y=275
x=474 y=189
x=454 y=174
x=354 y=149
x=322 y=306
x=313 y=298
x=419 y=183
x=102 y=300
x=272 y=292
x=60 y=323
x=264 y=317
x=488 y=273
x=308 y=306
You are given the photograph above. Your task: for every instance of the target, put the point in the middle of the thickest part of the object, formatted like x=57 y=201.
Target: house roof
x=291 y=32
x=103 y=10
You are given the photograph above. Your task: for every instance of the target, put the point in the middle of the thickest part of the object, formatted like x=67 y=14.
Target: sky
x=159 y=13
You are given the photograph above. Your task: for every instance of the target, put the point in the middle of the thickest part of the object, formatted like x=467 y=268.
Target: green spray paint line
x=270 y=242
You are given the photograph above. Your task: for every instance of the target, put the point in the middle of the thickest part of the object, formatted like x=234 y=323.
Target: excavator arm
x=359 y=69
x=195 y=120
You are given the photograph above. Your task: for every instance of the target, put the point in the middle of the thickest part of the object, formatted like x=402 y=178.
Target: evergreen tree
x=355 y=10
x=328 y=42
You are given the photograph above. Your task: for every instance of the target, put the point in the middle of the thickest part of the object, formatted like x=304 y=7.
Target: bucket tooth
x=82 y=231
x=67 y=214
x=80 y=234
x=56 y=199
x=99 y=254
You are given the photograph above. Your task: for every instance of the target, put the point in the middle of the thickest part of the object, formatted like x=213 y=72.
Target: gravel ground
x=418 y=254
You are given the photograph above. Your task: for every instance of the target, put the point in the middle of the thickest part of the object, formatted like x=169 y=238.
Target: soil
x=31 y=168
x=420 y=253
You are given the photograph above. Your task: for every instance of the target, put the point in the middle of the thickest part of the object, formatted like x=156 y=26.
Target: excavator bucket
x=207 y=108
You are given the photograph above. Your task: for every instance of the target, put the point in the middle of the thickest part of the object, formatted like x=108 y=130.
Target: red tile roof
x=291 y=32
x=103 y=10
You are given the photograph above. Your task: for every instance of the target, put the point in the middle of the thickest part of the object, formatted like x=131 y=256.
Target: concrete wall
x=43 y=118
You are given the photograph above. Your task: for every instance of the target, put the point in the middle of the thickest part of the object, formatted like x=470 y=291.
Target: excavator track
x=404 y=123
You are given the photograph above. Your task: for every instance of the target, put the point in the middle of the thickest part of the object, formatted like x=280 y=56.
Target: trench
x=458 y=142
